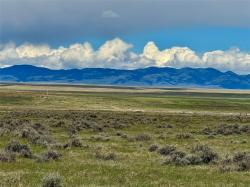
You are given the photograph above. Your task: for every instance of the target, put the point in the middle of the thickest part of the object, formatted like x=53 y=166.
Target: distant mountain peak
x=150 y=76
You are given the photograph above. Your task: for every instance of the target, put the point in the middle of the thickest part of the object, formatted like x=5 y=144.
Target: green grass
x=165 y=100
x=135 y=165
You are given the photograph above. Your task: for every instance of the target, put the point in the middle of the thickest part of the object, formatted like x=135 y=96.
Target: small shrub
x=153 y=148
x=35 y=137
x=207 y=131
x=181 y=161
x=242 y=159
x=163 y=136
x=238 y=162
x=17 y=147
x=177 y=158
x=206 y=153
x=193 y=159
x=226 y=167
x=119 y=126
x=56 y=146
x=124 y=136
x=168 y=126
x=227 y=164
x=26 y=153
x=6 y=156
x=240 y=156
x=244 y=165
x=119 y=134
x=229 y=129
x=98 y=128
x=201 y=154
x=245 y=128
x=184 y=136
x=168 y=149
x=177 y=154
x=226 y=130
x=105 y=155
x=59 y=124
x=52 y=180
x=53 y=155
x=49 y=155
x=75 y=142
x=143 y=137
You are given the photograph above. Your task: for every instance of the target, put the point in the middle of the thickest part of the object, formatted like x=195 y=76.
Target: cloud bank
x=119 y=54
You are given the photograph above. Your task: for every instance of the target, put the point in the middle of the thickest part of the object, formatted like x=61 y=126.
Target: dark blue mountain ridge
x=151 y=76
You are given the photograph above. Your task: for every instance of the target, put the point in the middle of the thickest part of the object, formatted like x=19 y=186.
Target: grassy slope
x=135 y=165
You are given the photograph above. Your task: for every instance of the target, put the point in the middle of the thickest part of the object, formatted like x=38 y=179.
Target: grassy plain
x=123 y=122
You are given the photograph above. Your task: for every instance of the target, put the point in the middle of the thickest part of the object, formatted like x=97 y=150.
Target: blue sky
x=129 y=33
x=202 y=25
x=200 y=39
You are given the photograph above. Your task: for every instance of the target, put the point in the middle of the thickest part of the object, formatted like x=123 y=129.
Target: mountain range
x=151 y=76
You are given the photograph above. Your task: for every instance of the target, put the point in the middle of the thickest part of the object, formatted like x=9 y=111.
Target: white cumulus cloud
x=117 y=54
x=109 y=14
x=175 y=56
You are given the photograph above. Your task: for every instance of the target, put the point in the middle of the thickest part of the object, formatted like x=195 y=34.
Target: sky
x=126 y=34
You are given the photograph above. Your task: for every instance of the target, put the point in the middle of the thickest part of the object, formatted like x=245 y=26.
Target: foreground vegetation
x=66 y=137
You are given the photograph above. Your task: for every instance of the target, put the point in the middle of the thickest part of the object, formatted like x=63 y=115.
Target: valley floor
x=118 y=136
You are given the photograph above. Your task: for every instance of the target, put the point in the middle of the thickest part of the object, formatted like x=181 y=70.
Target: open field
x=118 y=136
x=123 y=99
